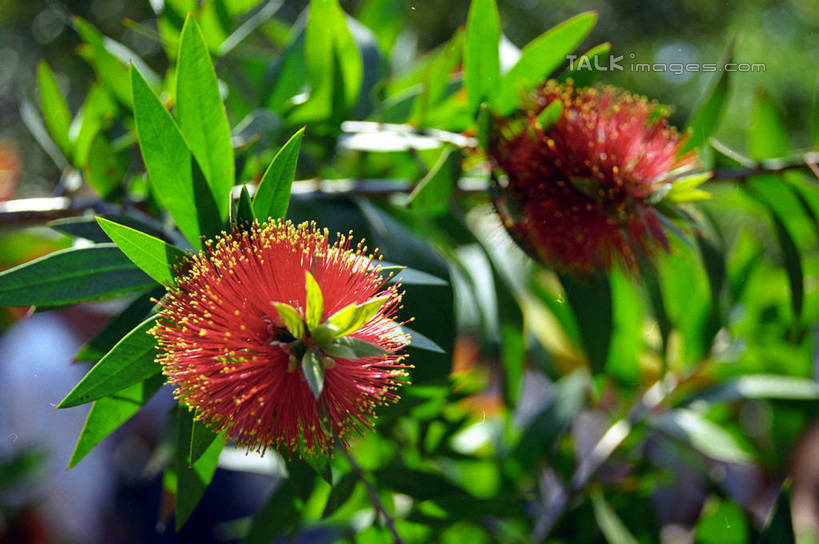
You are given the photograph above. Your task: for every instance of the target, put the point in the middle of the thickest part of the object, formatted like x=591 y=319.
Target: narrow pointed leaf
x=550 y=115
x=107 y=414
x=315 y=302
x=131 y=361
x=201 y=114
x=706 y=118
x=481 y=53
x=55 y=110
x=352 y=317
x=313 y=372
x=72 y=275
x=273 y=194
x=419 y=341
x=176 y=178
x=540 y=58
x=201 y=440
x=355 y=346
x=192 y=480
x=155 y=257
x=244 y=211
x=609 y=522
x=292 y=319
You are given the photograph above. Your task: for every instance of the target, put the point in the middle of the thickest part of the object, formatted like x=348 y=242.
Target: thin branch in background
x=376 y=500
x=808 y=160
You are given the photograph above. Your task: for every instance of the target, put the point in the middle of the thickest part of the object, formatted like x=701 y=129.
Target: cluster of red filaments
x=580 y=184
x=224 y=346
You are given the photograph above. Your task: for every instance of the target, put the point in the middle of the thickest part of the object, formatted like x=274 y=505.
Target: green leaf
x=706 y=117
x=87 y=227
x=155 y=257
x=96 y=113
x=539 y=58
x=71 y=275
x=201 y=440
x=104 y=168
x=131 y=361
x=767 y=136
x=419 y=341
x=107 y=414
x=353 y=316
x=176 y=178
x=34 y=123
x=139 y=310
x=341 y=492
x=273 y=193
x=438 y=79
x=418 y=484
x=313 y=371
x=627 y=325
x=793 y=264
x=315 y=302
x=244 y=210
x=353 y=348
x=609 y=522
x=192 y=480
x=591 y=303
x=433 y=191
x=292 y=319
x=722 y=522
x=703 y=435
x=816 y=113
x=55 y=110
x=277 y=515
x=584 y=70
x=550 y=115
x=329 y=48
x=762 y=386
x=201 y=114
x=481 y=55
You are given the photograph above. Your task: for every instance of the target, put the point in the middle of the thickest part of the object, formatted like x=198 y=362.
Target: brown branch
x=774 y=166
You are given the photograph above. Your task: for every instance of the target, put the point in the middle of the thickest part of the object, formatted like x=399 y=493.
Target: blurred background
x=115 y=494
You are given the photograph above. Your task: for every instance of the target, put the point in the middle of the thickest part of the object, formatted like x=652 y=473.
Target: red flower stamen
x=234 y=361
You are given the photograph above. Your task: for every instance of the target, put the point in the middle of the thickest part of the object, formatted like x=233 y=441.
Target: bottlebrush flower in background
x=282 y=339
x=585 y=168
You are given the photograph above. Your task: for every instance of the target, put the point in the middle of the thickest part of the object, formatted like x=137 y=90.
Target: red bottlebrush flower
x=281 y=339
x=584 y=167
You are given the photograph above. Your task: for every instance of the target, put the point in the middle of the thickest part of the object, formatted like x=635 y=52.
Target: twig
x=774 y=166
x=379 y=506
x=601 y=452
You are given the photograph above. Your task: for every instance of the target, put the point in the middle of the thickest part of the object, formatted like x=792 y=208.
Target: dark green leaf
x=540 y=58
x=244 y=210
x=201 y=114
x=706 y=117
x=87 y=227
x=114 y=330
x=481 y=55
x=54 y=108
x=107 y=414
x=793 y=264
x=72 y=275
x=342 y=491
x=420 y=485
x=276 y=516
x=419 y=341
x=433 y=191
x=201 y=440
x=131 y=361
x=191 y=480
x=590 y=300
x=767 y=137
x=273 y=194
x=778 y=526
x=152 y=255
x=550 y=115
x=313 y=371
x=176 y=178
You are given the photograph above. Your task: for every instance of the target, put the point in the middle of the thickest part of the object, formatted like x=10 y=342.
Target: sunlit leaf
x=155 y=257
x=481 y=54
x=273 y=193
